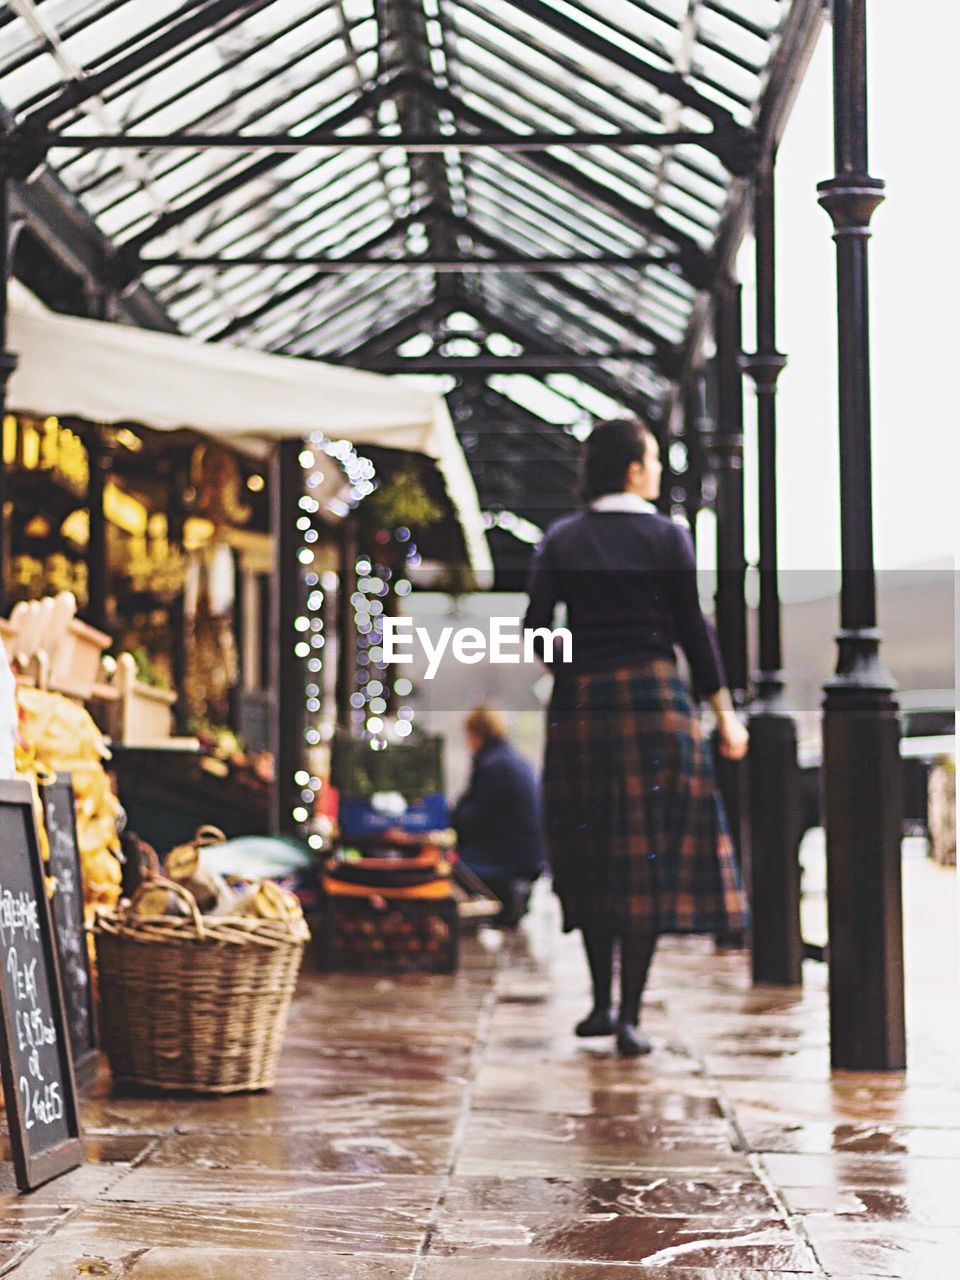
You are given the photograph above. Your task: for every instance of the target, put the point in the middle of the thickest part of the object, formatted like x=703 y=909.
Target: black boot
x=636 y=953
x=631 y=1043
x=599 y=1022
x=598 y=944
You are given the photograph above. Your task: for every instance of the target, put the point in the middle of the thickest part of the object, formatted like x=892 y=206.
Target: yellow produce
x=184 y=865
x=60 y=737
x=268 y=901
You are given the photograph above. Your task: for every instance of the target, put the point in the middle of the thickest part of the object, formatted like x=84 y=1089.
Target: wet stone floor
x=455 y=1129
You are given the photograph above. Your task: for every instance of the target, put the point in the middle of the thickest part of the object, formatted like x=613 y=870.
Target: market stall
x=250 y=408
x=115 y=374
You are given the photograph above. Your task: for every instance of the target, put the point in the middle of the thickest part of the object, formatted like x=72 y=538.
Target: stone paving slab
x=421 y=1145
x=126 y=1262
x=843 y=1172
x=762 y=1244
x=488 y=1269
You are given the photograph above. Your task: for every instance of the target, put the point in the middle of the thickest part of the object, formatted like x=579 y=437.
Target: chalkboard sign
x=38 y=1083
x=67 y=904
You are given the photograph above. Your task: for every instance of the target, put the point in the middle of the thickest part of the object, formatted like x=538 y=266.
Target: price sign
x=67 y=904
x=38 y=1082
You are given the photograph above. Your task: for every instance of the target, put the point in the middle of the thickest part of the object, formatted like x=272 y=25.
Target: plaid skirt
x=637 y=835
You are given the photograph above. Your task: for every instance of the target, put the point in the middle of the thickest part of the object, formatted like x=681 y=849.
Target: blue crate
x=359 y=816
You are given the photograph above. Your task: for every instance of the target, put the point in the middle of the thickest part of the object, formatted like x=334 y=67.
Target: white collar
x=622 y=502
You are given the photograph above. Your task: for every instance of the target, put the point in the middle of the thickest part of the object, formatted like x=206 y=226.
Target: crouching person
x=498 y=816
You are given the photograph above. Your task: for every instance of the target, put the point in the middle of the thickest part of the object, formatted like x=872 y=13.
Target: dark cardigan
x=498 y=816
x=628 y=580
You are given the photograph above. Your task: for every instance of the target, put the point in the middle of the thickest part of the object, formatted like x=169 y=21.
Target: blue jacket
x=498 y=816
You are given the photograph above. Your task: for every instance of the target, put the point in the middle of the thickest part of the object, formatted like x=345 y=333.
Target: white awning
x=111 y=373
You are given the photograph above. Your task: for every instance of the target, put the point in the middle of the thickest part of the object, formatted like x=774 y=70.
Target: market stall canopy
x=112 y=373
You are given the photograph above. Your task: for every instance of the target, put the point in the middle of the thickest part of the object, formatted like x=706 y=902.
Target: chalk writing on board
x=41 y=1099
x=36 y=1068
x=68 y=914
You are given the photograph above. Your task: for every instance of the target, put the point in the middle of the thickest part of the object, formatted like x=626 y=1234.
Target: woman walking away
x=635 y=828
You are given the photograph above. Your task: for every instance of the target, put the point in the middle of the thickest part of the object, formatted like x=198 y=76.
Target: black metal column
x=731 y=607
x=668 y=478
x=727 y=450
x=861 y=729
x=695 y=424
x=98 y=461
x=288 y=671
x=774 y=771
x=8 y=361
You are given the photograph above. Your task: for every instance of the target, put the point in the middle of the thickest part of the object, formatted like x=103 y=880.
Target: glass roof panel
x=291 y=66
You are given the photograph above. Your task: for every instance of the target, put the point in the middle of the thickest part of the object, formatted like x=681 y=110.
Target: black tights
x=636 y=952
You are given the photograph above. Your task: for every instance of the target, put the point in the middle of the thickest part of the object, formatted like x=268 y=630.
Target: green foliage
x=221 y=738
x=147 y=671
x=403 y=500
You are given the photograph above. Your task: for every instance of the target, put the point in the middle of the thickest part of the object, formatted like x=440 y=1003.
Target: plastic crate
x=377 y=935
x=412 y=768
x=359 y=817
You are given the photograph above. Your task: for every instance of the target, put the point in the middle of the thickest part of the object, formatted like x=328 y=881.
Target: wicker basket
x=195 y=1003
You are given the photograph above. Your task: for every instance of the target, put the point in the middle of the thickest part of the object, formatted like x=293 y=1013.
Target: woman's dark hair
x=609 y=450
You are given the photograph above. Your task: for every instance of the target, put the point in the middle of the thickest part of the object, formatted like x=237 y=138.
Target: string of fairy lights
x=376 y=694
x=315 y=459
x=378 y=704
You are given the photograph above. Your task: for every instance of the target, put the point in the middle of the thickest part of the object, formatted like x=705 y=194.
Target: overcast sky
x=914 y=284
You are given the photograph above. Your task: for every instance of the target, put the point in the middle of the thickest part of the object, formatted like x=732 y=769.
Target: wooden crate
x=377 y=935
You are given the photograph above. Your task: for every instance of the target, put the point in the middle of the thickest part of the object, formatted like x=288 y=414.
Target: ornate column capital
x=764 y=367
x=851 y=199
x=725 y=452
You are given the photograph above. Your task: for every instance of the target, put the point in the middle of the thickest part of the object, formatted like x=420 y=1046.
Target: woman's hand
x=733 y=736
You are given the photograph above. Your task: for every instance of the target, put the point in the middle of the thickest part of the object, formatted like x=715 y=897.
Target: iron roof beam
x=667 y=82
x=163 y=173
x=618 y=381
x=230 y=100
x=403 y=35
x=327 y=264
x=579 y=333
x=566 y=89
x=738 y=19
x=415 y=141
x=349 y=324
x=386 y=340
x=316 y=205
x=278 y=300
x=696 y=263
x=163 y=65
x=666 y=354
x=75 y=244
x=524 y=233
x=67 y=31
x=342 y=304
x=591 y=373
x=503 y=190
x=562 y=61
x=176 y=217
x=146 y=51
x=486 y=363
x=377 y=228
x=594 y=376
x=798 y=39
x=644 y=165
